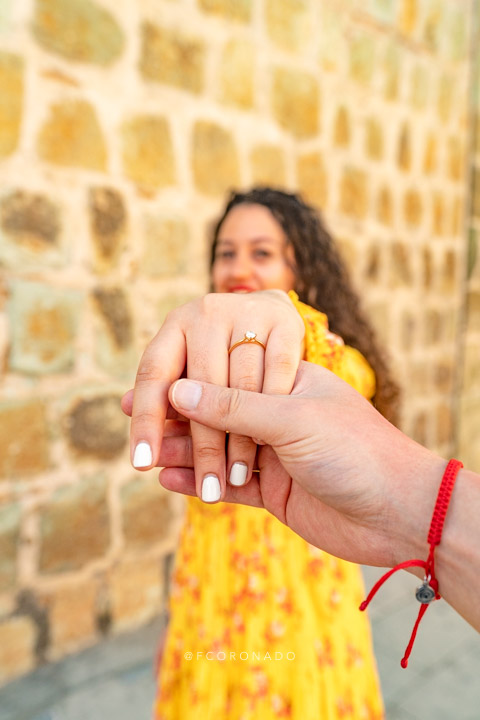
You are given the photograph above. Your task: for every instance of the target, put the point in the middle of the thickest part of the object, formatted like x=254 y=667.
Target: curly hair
x=322 y=281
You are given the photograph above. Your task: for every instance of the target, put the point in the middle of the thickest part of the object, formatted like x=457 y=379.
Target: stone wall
x=469 y=381
x=122 y=126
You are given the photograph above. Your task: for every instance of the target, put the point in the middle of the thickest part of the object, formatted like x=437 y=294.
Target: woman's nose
x=240 y=267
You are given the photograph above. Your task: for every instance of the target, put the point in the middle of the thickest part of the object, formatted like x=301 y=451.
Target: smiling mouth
x=241 y=289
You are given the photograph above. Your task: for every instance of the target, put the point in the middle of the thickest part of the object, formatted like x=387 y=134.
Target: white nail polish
x=142 y=456
x=210 y=489
x=238 y=474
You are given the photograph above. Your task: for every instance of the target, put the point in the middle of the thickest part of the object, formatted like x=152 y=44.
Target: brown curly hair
x=322 y=281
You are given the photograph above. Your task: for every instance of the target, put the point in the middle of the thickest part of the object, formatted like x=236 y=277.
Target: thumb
x=239 y=411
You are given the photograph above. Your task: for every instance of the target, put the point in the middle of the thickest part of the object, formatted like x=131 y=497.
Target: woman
x=263 y=625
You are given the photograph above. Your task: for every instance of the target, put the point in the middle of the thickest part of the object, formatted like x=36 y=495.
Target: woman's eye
x=224 y=254
x=262 y=253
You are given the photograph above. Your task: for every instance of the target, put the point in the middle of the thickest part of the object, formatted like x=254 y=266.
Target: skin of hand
x=341 y=476
x=194 y=340
x=325 y=461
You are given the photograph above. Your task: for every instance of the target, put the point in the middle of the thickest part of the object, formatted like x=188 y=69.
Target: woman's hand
x=194 y=341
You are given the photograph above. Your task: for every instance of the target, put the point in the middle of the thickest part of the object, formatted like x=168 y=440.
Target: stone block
x=72 y=615
x=114 y=308
x=17 y=647
x=373 y=263
x=5 y=15
x=457 y=216
x=43 y=322
x=29 y=219
x=374 y=141
x=237 y=10
x=333 y=38
x=444 y=425
x=382 y=10
x=384 y=206
x=10 y=515
x=74 y=526
x=172 y=58
x=420 y=87
x=412 y=208
x=443 y=376
x=458 y=34
x=147 y=512
x=427 y=268
x=419 y=431
x=24 y=440
x=433 y=327
x=471 y=375
x=456 y=159
x=136 y=588
x=432 y=26
x=362 y=58
x=430 y=154
x=167 y=247
x=439 y=215
x=30 y=227
x=473 y=311
x=214 y=147
x=475 y=191
x=407 y=329
x=237 y=74
x=354 y=193
x=445 y=98
x=449 y=272
x=96 y=426
x=107 y=216
x=469 y=447
x=392 y=72
x=404 y=150
x=148 y=155
x=296 y=102
x=473 y=256
x=312 y=179
x=79 y=30
x=342 y=127
x=268 y=165
x=288 y=23
x=400 y=265
x=11 y=102
x=407 y=18
x=72 y=137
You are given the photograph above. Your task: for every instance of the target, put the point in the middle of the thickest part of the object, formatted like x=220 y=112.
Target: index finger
x=162 y=363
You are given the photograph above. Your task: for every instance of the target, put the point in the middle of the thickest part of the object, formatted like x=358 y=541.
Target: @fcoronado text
x=244 y=656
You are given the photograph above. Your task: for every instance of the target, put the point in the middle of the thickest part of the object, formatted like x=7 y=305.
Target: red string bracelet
x=428 y=590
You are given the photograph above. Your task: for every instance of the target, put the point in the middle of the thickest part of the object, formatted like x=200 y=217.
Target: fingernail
x=142 y=457
x=186 y=394
x=210 y=489
x=238 y=474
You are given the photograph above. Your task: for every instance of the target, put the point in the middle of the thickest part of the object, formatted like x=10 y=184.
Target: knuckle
x=228 y=404
x=246 y=382
x=240 y=443
x=282 y=363
x=204 y=451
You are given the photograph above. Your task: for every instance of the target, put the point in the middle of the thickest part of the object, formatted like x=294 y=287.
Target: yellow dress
x=262 y=624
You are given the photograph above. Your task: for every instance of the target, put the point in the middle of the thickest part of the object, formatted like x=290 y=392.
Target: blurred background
x=123 y=125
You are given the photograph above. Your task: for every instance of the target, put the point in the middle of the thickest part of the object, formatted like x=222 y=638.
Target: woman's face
x=252 y=252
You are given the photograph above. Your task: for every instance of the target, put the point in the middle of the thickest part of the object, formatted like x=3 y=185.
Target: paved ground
x=114 y=680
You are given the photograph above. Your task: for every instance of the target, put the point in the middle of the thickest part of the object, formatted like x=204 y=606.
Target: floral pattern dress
x=262 y=624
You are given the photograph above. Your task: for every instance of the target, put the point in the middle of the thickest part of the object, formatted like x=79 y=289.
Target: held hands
x=195 y=340
x=326 y=466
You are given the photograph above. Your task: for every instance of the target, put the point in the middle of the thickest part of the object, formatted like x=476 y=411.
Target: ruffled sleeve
x=323 y=347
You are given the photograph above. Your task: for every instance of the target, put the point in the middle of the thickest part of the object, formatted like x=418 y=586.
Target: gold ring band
x=250 y=338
